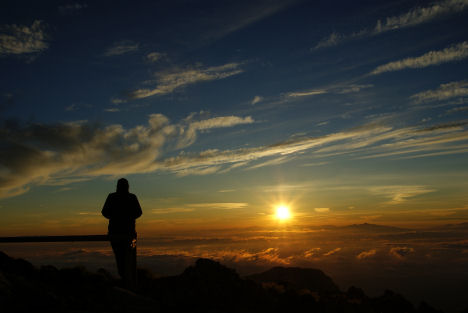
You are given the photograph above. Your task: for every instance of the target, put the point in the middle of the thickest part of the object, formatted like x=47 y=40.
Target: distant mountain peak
x=210 y=269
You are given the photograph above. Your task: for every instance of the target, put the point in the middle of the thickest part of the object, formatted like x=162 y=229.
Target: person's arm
x=136 y=208
x=107 y=208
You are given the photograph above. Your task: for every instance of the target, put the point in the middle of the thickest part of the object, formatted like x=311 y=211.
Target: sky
x=347 y=112
x=217 y=111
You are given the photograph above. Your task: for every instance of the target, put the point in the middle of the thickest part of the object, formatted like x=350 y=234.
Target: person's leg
x=119 y=248
x=133 y=265
x=130 y=264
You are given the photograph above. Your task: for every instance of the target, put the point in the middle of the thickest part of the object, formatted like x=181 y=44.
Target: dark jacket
x=121 y=208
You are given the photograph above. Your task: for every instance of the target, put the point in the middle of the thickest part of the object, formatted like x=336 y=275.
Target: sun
x=283 y=212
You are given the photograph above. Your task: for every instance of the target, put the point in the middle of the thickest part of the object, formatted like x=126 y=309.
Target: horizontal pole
x=55 y=238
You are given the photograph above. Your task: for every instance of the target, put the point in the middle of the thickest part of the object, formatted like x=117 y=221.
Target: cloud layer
x=453 y=53
x=413 y=17
x=61 y=153
x=444 y=92
x=154 y=56
x=54 y=154
x=399 y=194
x=337 y=89
x=22 y=39
x=168 y=81
x=122 y=47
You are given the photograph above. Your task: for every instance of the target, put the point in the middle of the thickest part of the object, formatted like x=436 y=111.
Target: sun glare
x=283 y=213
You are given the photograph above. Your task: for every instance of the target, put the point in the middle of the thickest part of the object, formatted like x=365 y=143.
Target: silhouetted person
x=122 y=208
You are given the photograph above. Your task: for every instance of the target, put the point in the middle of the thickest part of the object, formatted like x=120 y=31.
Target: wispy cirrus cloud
x=315 y=164
x=413 y=17
x=22 y=39
x=37 y=154
x=216 y=157
x=399 y=194
x=170 y=80
x=444 y=92
x=219 y=205
x=370 y=141
x=337 y=89
x=275 y=161
x=154 y=56
x=307 y=93
x=122 y=47
x=112 y=110
x=256 y=100
x=332 y=40
x=457 y=110
x=72 y=8
x=421 y=15
x=192 y=125
x=172 y=210
x=200 y=170
x=449 y=54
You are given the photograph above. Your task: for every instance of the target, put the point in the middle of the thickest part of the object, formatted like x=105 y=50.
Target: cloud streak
x=256 y=100
x=122 y=47
x=271 y=162
x=22 y=39
x=420 y=15
x=450 y=54
x=416 y=16
x=168 y=81
x=38 y=154
x=191 y=126
x=337 y=89
x=371 y=141
x=153 y=57
x=399 y=194
x=219 y=205
x=172 y=210
x=444 y=92
x=53 y=154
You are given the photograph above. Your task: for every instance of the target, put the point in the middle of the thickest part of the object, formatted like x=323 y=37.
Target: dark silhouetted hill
x=25 y=288
x=297 y=278
x=207 y=286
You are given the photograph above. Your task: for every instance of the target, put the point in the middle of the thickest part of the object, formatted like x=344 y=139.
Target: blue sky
x=345 y=110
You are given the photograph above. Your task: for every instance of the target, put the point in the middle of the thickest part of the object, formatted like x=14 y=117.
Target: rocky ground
x=207 y=286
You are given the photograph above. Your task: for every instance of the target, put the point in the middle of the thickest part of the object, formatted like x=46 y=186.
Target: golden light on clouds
x=322 y=210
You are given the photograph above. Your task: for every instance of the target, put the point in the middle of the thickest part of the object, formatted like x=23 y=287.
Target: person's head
x=122 y=185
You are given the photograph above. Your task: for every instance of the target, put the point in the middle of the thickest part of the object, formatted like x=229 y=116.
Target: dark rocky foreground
x=207 y=286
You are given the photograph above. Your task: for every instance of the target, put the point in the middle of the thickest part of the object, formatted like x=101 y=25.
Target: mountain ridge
x=299 y=278
x=206 y=286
